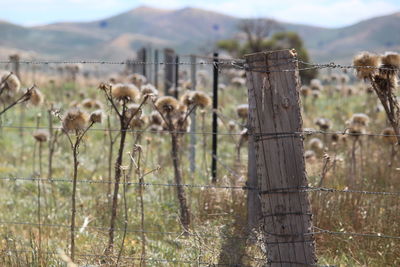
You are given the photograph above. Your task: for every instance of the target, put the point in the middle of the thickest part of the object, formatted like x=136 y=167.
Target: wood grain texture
x=274 y=108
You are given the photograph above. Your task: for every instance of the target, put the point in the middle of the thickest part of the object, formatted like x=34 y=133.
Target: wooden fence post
x=15 y=65
x=276 y=123
x=156 y=68
x=253 y=198
x=142 y=57
x=169 y=59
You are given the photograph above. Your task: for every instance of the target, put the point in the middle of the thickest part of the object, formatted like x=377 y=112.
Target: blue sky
x=329 y=13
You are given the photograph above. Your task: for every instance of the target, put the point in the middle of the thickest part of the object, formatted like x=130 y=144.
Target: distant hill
x=186 y=30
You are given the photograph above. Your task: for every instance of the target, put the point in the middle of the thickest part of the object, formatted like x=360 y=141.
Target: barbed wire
x=269 y=262
x=106 y=229
x=150 y=259
x=127 y=62
x=378 y=235
x=334 y=65
x=239 y=63
x=206 y=235
x=50 y=180
x=303 y=189
x=129 y=130
x=257 y=136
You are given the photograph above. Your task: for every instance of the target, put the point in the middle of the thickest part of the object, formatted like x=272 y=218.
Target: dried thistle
x=242 y=111
x=87 y=103
x=389 y=136
x=366 y=64
x=167 y=104
x=323 y=124
x=155 y=118
x=138 y=122
x=36 y=97
x=201 y=99
x=137 y=79
x=390 y=64
x=316 y=85
x=9 y=83
x=96 y=116
x=75 y=120
x=196 y=98
x=357 y=123
x=149 y=89
x=41 y=135
x=125 y=91
x=316 y=144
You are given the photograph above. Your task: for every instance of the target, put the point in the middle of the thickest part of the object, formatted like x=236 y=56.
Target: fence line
x=318 y=231
x=323 y=231
x=256 y=135
x=102 y=256
x=99 y=62
x=237 y=63
x=106 y=229
x=62 y=180
x=197 y=263
x=275 y=191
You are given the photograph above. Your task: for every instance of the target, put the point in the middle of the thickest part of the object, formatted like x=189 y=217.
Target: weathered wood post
x=15 y=65
x=169 y=58
x=176 y=93
x=142 y=58
x=156 y=68
x=192 y=156
x=276 y=125
x=253 y=198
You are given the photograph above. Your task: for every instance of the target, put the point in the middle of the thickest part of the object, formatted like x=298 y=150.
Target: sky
x=327 y=13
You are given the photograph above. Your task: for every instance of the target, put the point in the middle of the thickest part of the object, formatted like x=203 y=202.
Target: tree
x=288 y=40
x=265 y=34
x=256 y=31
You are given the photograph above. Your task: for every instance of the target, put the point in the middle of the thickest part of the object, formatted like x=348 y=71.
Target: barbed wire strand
x=106 y=229
x=275 y=191
x=102 y=256
x=257 y=135
x=197 y=263
x=50 y=180
x=205 y=235
x=231 y=62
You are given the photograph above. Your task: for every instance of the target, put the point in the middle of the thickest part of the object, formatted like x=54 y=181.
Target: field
x=36 y=212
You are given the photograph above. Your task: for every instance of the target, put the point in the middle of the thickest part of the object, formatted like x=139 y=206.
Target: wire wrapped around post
x=274 y=98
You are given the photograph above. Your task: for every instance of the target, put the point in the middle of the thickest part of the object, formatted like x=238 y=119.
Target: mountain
x=377 y=34
x=186 y=30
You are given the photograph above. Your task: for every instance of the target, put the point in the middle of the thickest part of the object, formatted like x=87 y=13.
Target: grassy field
x=218 y=231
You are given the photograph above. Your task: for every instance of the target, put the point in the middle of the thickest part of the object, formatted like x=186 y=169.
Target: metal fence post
x=176 y=93
x=215 y=120
x=192 y=156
